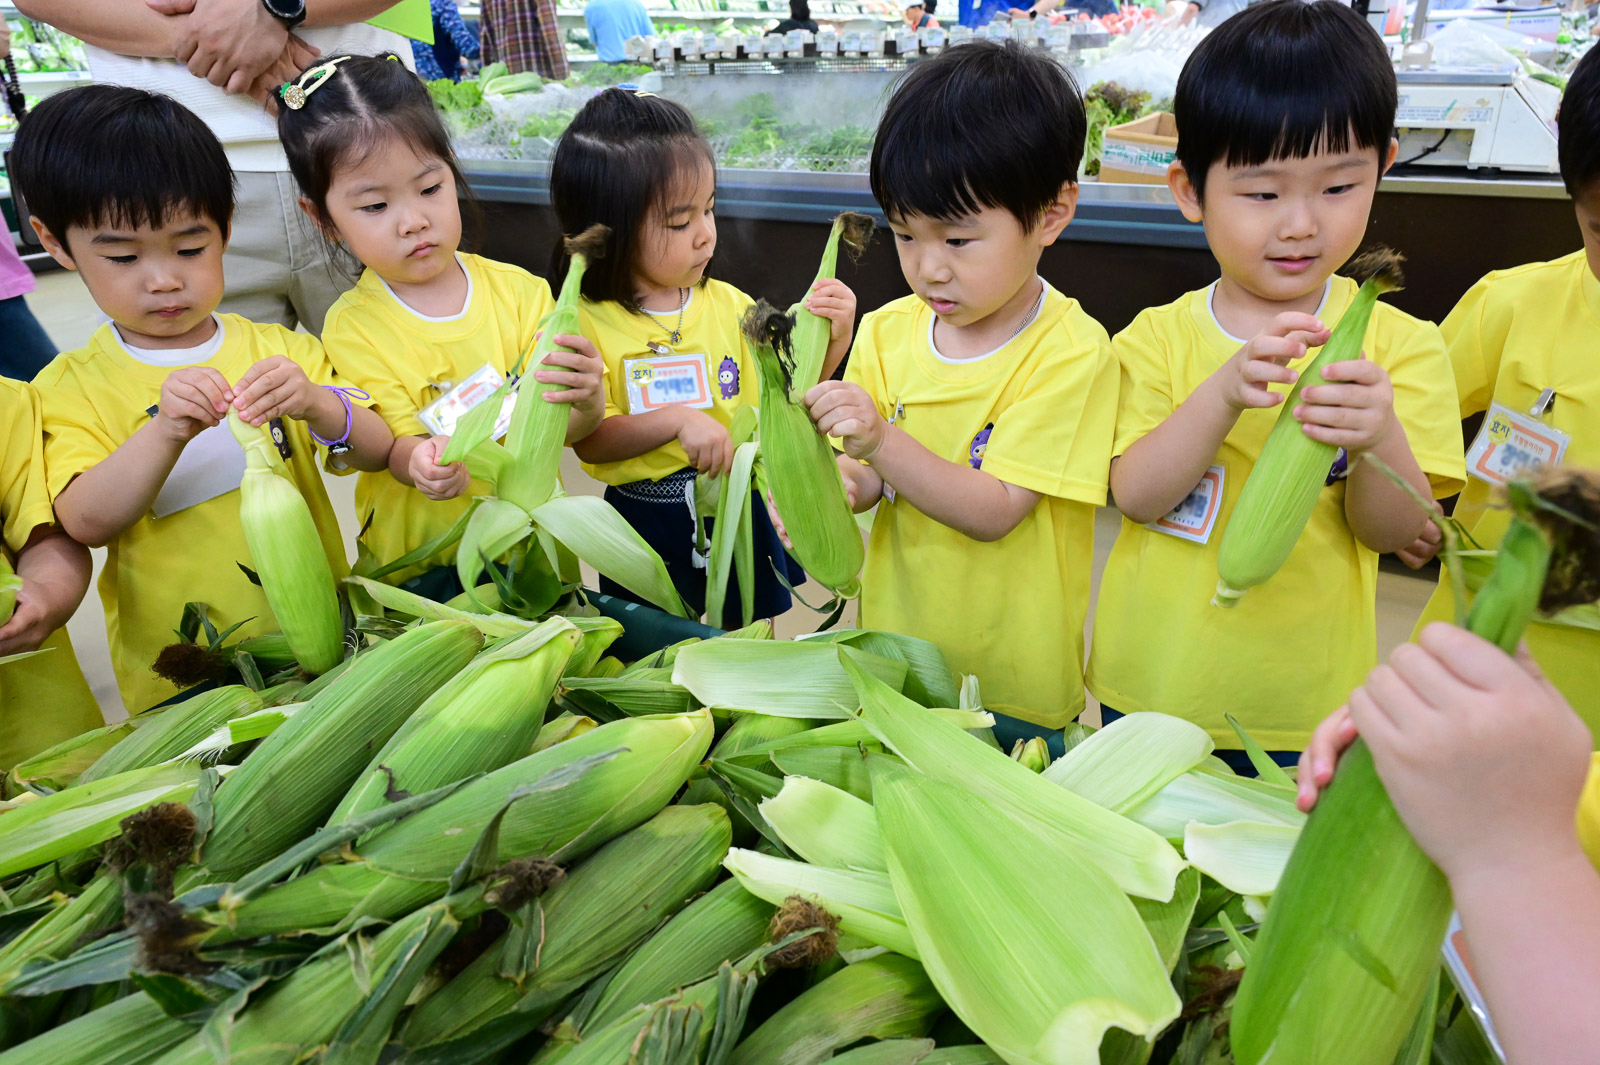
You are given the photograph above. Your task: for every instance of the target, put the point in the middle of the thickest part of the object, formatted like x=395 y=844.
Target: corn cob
x=802 y=471
x=880 y=998
x=53 y=826
x=287 y=554
x=410 y=862
x=1287 y=479
x=582 y=926
x=1351 y=938
x=57 y=934
x=130 y=1031
x=862 y=899
x=174 y=730
x=484 y=717
x=560 y=729
x=538 y=427
x=294 y=778
x=61 y=765
x=812 y=332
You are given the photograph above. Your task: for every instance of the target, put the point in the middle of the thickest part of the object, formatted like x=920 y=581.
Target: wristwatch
x=289 y=12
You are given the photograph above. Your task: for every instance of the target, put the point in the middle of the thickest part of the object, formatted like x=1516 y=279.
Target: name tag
x=1196 y=516
x=212 y=464
x=442 y=415
x=667 y=381
x=1511 y=444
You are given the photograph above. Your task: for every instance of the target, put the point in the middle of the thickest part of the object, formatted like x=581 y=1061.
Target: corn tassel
x=294 y=778
x=802 y=471
x=287 y=554
x=409 y=862
x=484 y=717
x=1288 y=477
x=538 y=427
x=582 y=926
x=1351 y=939
x=879 y=998
x=174 y=730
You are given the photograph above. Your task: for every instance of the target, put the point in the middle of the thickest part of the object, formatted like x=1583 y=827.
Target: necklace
x=1038 y=306
x=683 y=304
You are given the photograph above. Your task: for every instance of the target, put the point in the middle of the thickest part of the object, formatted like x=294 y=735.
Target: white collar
x=1032 y=320
x=204 y=351
x=1211 y=308
x=466 y=304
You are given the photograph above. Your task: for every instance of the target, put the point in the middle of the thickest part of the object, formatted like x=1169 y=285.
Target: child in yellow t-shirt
x=977 y=414
x=133 y=192
x=1485 y=762
x=428 y=330
x=1284 y=202
x=1522 y=343
x=677 y=368
x=43 y=700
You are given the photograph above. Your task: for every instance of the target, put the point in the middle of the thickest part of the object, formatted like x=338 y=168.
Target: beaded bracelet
x=342 y=444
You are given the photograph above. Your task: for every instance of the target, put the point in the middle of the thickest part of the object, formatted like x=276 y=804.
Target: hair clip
x=642 y=93
x=294 y=94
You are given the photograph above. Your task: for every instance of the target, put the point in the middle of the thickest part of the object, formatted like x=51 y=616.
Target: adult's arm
x=125 y=26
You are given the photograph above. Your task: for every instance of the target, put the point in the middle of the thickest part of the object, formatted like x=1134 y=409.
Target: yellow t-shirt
x=1037 y=413
x=1513 y=334
x=98 y=396
x=407 y=361
x=43 y=700
x=1294 y=648
x=709 y=368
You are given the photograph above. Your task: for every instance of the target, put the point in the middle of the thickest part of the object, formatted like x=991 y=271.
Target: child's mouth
x=169 y=312
x=941 y=306
x=1293 y=264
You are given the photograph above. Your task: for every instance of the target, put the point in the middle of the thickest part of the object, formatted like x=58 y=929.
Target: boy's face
x=970 y=268
x=1281 y=229
x=397 y=211
x=159 y=284
x=1587 y=204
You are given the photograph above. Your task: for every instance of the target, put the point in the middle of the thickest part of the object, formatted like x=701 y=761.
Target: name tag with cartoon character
x=1196 y=516
x=442 y=415
x=675 y=380
x=1511 y=444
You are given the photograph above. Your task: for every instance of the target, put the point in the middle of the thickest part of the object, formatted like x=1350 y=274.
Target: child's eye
x=431 y=189
x=192 y=253
x=903 y=238
x=121 y=260
x=372 y=208
x=1261 y=197
x=958 y=242
x=1337 y=189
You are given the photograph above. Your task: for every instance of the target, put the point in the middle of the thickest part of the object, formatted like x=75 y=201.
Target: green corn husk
x=1214 y=799
x=1129 y=760
x=287 y=553
x=929 y=678
x=241 y=730
x=756 y=730
x=863 y=900
x=130 y=1031
x=174 y=730
x=54 y=826
x=1287 y=479
x=826 y=825
x=974 y=1054
x=699 y=1023
x=314 y=1005
x=1245 y=856
x=843 y=767
x=812 y=332
x=58 y=933
x=1351 y=938
x=410 y=862
x=981 y=891
x=802 y=471
x=582 y=926
x=10 y=585
x=482 y=718
x=1032 y=754
x=887 y=1052
x=785 y=678
x=882 y=998
x=292 y=780
x=560 y=729
x=538 y=427
x=1139 y=861
x=60 y=766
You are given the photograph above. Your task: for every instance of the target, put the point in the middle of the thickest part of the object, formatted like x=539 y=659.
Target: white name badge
x=442 y=415
x=1511 y=444
x=1196 y=516
x=212 y=464
x=667 y=381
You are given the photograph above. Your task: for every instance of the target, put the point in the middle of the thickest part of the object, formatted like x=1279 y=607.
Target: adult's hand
x=230 y=43
x=297 y=55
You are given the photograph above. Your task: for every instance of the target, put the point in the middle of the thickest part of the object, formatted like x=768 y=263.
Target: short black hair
x=105 y=155
x=1284 y=80
x=620 y=157
x=362 y=101
x=1578 y=126
x=985 y=124
x=799 y=10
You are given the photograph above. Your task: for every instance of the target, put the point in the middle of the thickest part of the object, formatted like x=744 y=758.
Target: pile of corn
x=482 y=839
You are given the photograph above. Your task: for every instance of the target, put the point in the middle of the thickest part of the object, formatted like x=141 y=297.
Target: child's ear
x=1388 y=157
x=1059 y=213
x=1184 y=192
x=317 y=220
x=58 y=251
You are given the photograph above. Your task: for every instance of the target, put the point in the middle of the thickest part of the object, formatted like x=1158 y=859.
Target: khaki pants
x=278 y=267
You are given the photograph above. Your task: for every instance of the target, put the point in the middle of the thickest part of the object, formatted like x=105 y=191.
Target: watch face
x=286 y=8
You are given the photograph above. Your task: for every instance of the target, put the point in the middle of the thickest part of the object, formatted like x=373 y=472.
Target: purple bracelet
x=342 y=444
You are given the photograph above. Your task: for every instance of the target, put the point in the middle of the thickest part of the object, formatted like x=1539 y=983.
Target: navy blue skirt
x=659 y=512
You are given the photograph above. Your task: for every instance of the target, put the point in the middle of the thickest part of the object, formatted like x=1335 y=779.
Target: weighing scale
x=1477 y=120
